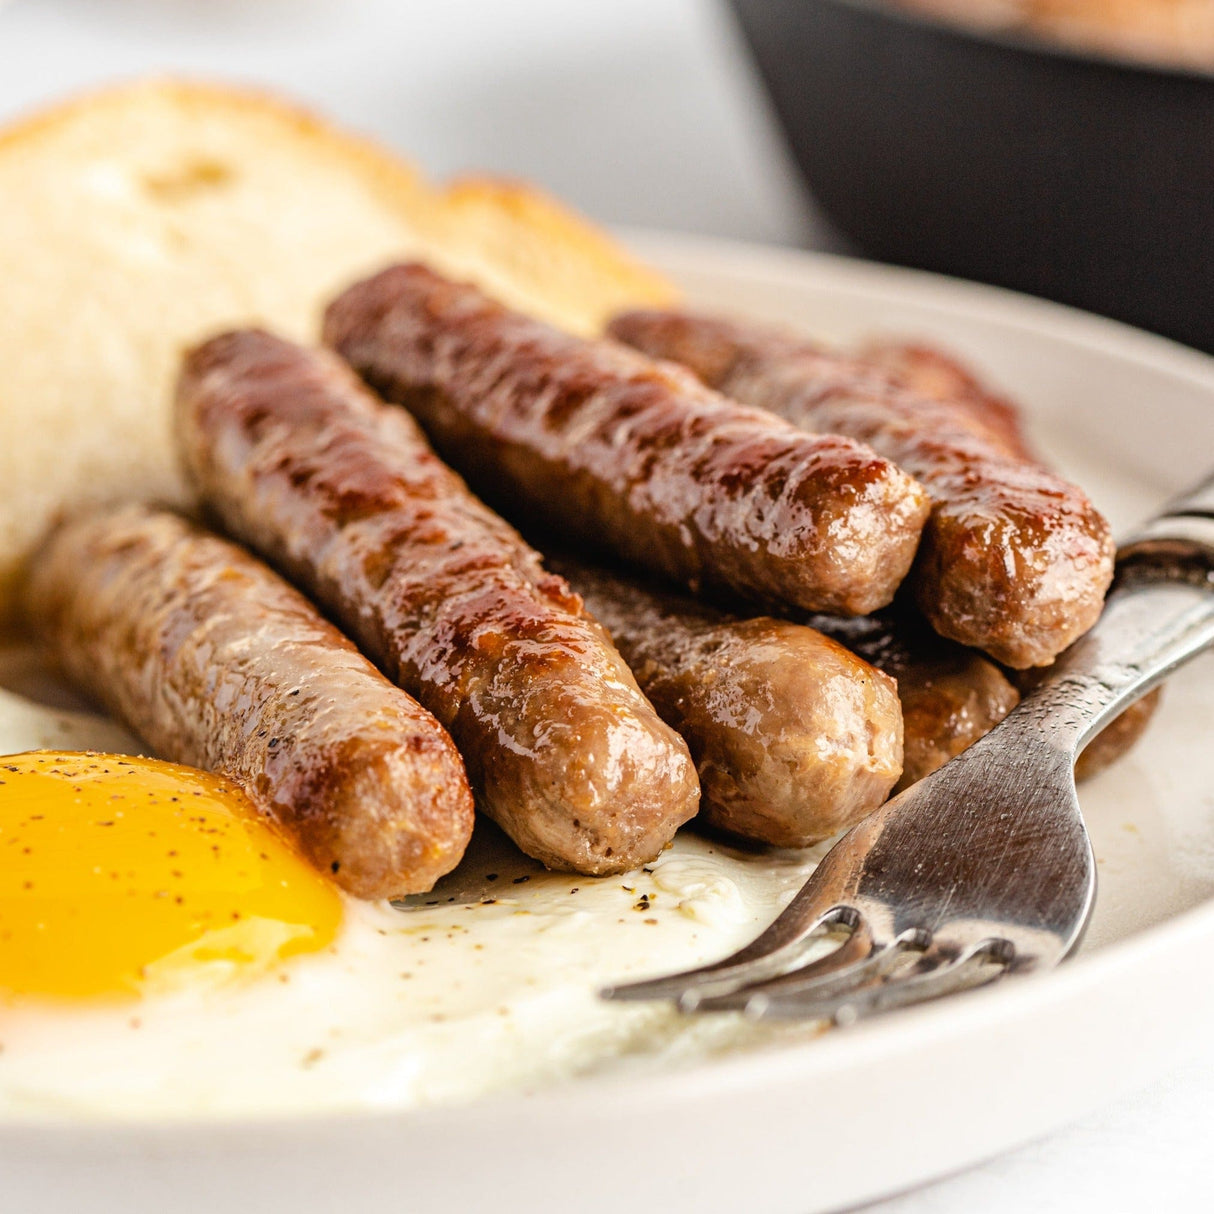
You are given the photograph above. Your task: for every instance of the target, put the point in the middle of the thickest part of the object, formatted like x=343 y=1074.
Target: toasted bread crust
x=141 y=218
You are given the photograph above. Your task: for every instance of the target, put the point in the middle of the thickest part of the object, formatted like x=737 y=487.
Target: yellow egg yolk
x=121 y=877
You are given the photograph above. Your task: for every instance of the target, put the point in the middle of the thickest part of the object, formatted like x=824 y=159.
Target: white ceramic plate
x=856 y=1113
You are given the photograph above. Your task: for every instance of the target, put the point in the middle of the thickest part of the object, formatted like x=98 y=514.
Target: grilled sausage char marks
x=1014 y=560
x=214 y=661
x=931 y=372
x=346 y=497
x=614 y=449
x=793 y=736
x=935 y=373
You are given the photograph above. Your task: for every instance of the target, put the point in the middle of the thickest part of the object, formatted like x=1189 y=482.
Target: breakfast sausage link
x=214 y=661
x=951 y=696
x=614 y=449
x=1014 y=559
x=345 y=496
x=931 y=372
x=794 y=737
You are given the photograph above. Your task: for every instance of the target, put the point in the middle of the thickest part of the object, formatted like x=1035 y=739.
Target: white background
x=639 y=112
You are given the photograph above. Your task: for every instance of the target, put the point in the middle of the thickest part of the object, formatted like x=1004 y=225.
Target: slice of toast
x=139 y=219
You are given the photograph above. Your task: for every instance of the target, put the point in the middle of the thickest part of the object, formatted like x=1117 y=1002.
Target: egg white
x=484 y=985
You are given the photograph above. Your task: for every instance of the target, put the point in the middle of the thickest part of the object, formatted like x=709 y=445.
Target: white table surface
x=639 y=112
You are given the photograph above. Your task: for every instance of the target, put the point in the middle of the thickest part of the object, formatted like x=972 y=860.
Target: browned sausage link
x=951 y=696
x=931 y=372
x=794 y=737
x=345 y=495
x=615 y=449
x=213 y=660
x=1014 y=560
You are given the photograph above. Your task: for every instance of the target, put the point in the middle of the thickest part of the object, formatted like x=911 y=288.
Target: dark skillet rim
x=1023 y=43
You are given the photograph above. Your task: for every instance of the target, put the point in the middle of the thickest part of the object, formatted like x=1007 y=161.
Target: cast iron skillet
x=1086 y=179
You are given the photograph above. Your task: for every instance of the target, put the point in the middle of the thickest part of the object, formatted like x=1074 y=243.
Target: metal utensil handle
x=1159 y=614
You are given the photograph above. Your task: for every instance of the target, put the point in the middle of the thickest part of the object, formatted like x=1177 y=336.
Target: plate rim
x=877 y=1036
x=766 y=1067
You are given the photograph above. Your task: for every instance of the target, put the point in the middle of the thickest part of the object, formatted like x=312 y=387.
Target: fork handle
x=1159 y=614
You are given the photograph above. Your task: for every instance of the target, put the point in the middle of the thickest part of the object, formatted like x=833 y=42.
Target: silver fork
x=985 y=867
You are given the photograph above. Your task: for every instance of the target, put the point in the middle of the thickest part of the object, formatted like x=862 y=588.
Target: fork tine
x=833 y=975
x=782 y=947
x=1025 y=948
x=852 y=954
x=945 y=976
x=823 y=901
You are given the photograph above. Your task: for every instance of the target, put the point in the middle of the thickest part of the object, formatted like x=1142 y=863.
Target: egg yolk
x=121 y=877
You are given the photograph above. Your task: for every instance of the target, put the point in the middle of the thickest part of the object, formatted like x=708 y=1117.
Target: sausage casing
x=794 y=737
x=1014 y=560
x=215 y=661
x=951 y=696
x=346 y=497
x=607 y=446
x=931 y=372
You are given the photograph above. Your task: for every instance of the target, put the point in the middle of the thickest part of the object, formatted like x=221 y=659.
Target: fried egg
x=122 y=875
x=266 y=991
